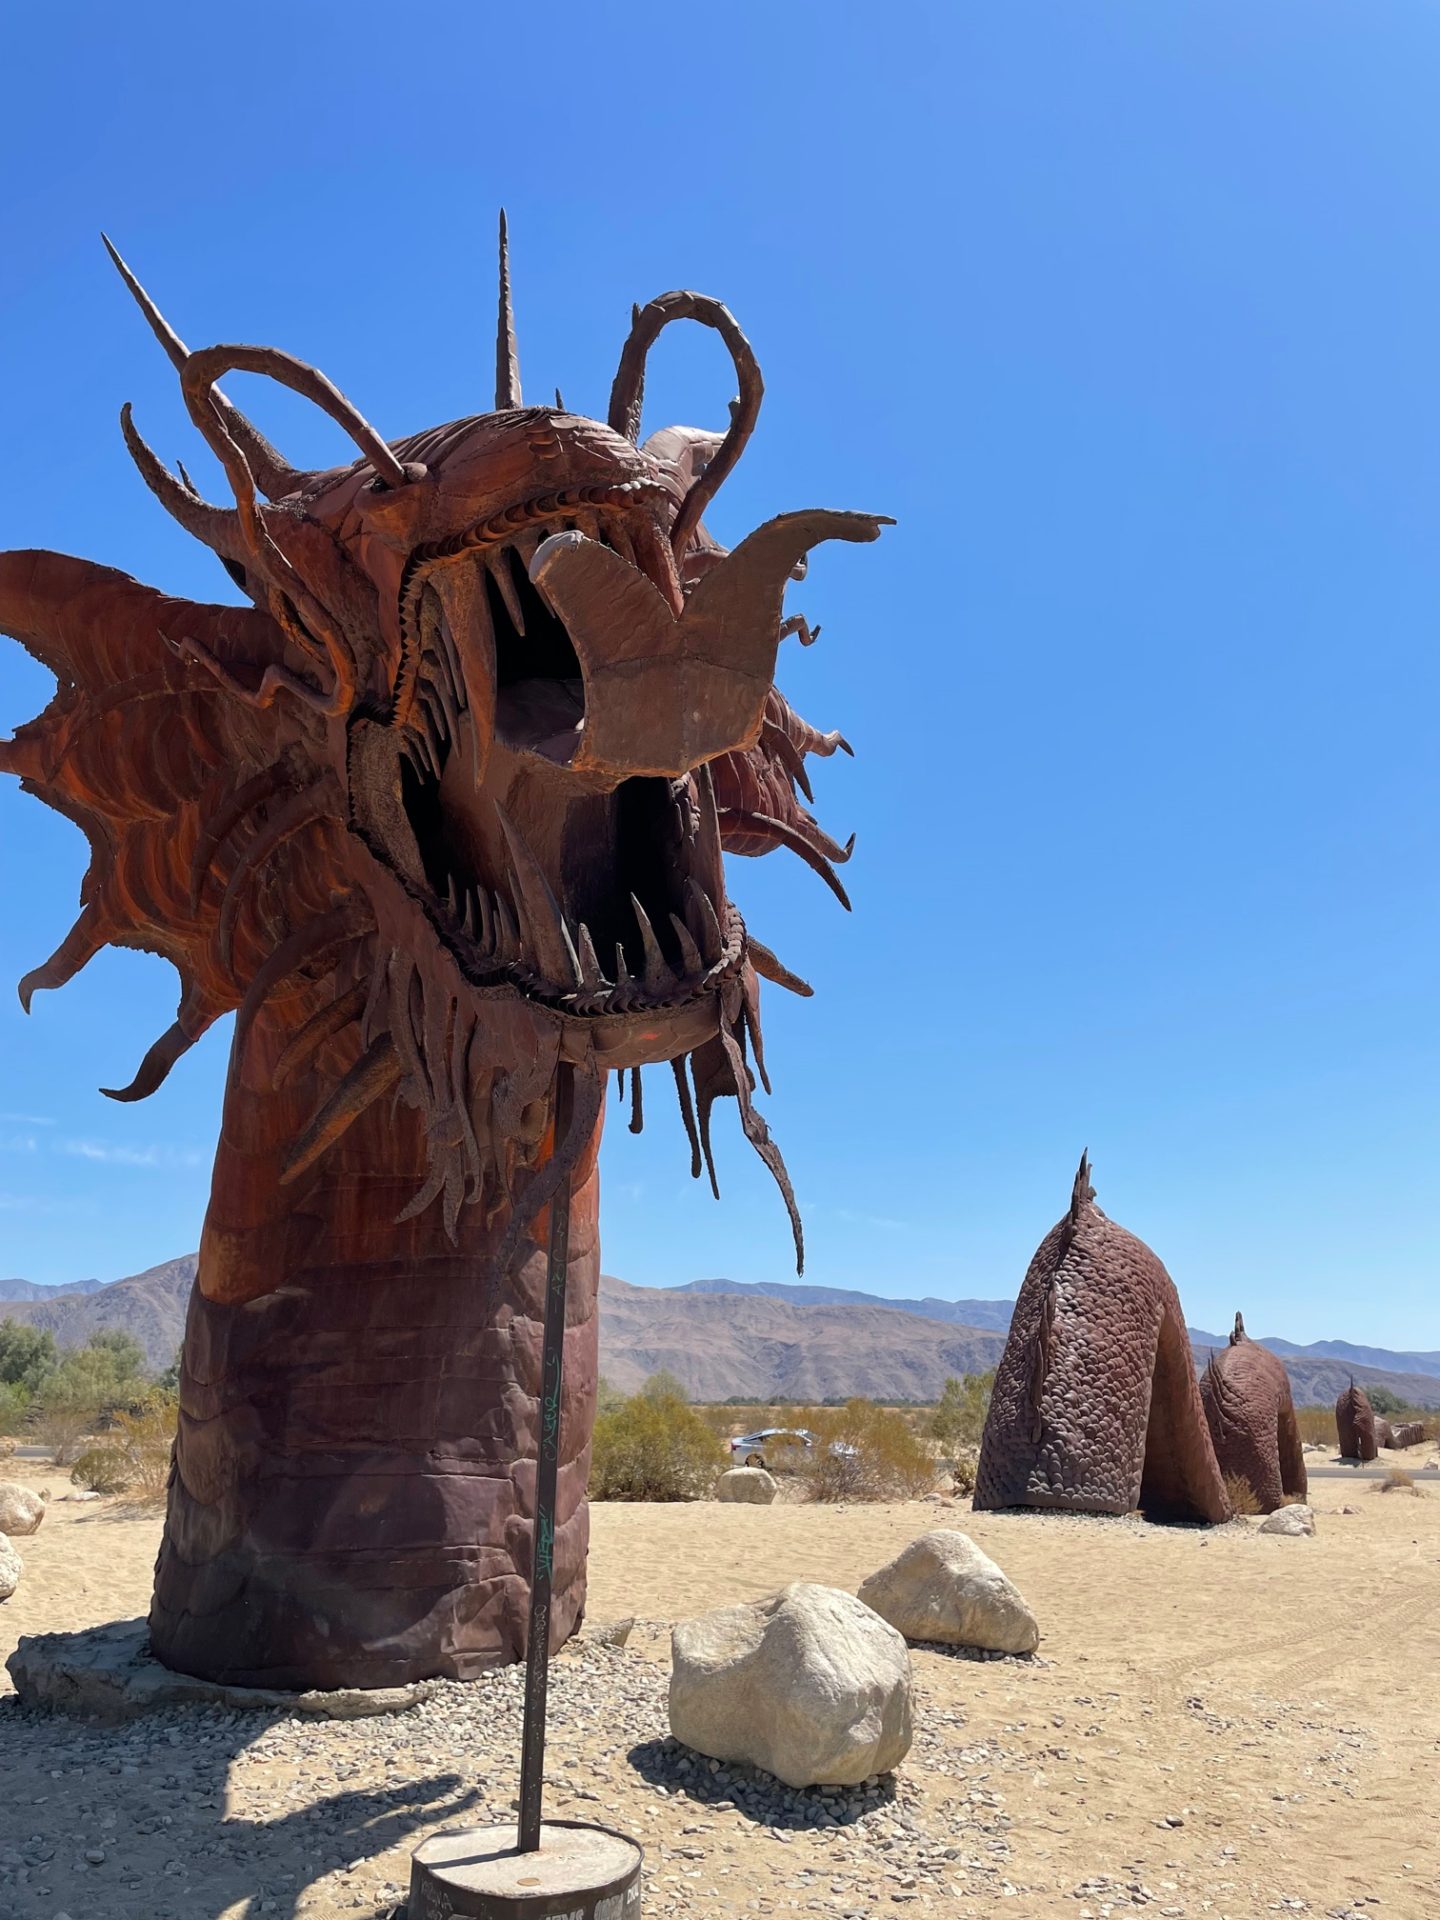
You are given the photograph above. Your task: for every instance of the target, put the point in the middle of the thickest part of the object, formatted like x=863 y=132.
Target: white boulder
x=21 y=1511
x=808 y=1684
x=10 y=1568
x=752 y=1485
x=1291 y=1521
x=943 y=1588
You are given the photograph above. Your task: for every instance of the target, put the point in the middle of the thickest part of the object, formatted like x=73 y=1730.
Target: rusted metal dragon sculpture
x=445 y=805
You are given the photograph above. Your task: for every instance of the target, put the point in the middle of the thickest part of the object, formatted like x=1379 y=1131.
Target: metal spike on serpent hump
x=507 y=354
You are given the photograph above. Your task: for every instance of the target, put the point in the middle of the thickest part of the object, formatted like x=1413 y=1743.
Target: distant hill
x=772 y=1340
x=721 y=1344
x=150 y=1305
x=725 y=1338
x=1341 y=1351
x=993 y=1315
x=32 y=1289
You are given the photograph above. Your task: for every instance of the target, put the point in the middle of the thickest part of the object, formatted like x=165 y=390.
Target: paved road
x=1371 y=1472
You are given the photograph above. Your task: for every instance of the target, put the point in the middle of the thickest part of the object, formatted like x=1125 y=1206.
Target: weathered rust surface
x=1248 y=1405
x=1095 y=1406
x=445 y=805
x=1355 y=1424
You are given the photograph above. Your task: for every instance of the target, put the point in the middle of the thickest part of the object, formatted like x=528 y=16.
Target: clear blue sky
x=1129 y=314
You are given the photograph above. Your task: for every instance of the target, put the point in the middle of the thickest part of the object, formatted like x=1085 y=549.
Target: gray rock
x=1291 y=1521
x=11 y=1566
x=943 y=1588
x=21 y=1511
x=752 y=1485
x=808 y=1684
x=608 y=1633
x=108 y=1673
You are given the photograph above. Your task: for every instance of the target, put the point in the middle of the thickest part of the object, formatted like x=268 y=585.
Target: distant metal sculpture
x=443 y=810
x=1245 y=1391
x=1355 y=1424
x=1095 y=1406
x=1407 y=1433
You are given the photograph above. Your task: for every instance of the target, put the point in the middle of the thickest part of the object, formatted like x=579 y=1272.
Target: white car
x=782 y=1447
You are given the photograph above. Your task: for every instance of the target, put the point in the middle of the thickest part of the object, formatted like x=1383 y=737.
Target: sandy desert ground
x=1217 y=1723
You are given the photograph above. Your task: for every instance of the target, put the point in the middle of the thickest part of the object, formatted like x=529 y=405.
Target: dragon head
x=501 y=710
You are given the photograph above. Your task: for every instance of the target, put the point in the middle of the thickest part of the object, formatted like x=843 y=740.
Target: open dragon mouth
x=614 y=902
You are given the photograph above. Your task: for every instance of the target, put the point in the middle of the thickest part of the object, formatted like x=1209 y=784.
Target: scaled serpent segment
x=447 y=804
x=1355 y=1424
x=1250 y=1411
x=1095 y=1407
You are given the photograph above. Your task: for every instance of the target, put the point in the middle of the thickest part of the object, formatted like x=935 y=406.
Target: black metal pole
x=542 y=1565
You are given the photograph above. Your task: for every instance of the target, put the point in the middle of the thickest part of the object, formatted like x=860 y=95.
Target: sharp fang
x=658 y=978
x=577 y=979
x=526 y=542
x=591 y=978
x=507 y=932
x=549 y=938
x=769 y=968
x=704 y=922
x=709 y=854
x=498 y=567
x=689 y=952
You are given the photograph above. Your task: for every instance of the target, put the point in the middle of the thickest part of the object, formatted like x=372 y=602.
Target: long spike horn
x=217 y=527
x=507 y=353
x=274 y=476
x=204 y=367
x=627 y=396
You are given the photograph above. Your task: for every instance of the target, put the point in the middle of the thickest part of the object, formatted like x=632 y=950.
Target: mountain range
x=770 y=1340
x=32 y=1289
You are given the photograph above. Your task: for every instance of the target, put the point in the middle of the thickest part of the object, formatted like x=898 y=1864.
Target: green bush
x=653 y=1447
x=85 y=1388
x=865 y=1452
x=959 y=1416
x=27 y=1357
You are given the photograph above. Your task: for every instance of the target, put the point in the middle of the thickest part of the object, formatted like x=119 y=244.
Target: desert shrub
x=1398 y=1481
x=133 y=1454
x=958 y=1419
x=654 y=1447
x=1241 y=1495
x=865 y=1452
x=965 y=1471
x=1317 y=1425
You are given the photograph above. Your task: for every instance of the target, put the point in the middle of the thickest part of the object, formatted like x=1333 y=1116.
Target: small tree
x=87 y=1385
x=664 y=1385
x=958 y=1419
x=27 y=1356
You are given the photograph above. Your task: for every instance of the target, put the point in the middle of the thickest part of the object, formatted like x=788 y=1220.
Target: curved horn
x=217 y=527
x=507 y=354
x=203 y=368
x=274 y=476
x=627 y=396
